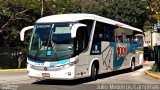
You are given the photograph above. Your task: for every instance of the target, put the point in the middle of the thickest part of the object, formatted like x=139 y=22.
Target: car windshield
x=51 y=41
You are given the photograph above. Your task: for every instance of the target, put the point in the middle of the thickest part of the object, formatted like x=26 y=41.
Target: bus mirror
x=23 y=31
x=75 y=28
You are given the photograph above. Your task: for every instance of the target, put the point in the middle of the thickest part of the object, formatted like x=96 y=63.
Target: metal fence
x=157 y=56
x=9 y=58
x=147 y=54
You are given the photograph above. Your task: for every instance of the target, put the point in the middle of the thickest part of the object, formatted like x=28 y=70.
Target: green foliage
x=155 y=10
x=15 y=14
x=147 y=26
x=155 y=67
x=132 y=12
x=153 y=16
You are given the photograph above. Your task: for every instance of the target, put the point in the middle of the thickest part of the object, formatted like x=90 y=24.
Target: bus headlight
x=74 y=62
x=30 y=65
x=68 y=64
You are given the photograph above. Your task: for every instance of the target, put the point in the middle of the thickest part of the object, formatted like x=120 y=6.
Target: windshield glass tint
x=55 y=38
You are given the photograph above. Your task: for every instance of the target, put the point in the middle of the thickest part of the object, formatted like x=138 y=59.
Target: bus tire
x=93 y=76
x=132 y=68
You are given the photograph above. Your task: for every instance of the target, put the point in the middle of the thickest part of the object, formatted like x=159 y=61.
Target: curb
x=12 y=70
x=152 y=75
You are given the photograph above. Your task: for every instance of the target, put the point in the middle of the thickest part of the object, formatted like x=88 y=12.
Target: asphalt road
x=20 y=81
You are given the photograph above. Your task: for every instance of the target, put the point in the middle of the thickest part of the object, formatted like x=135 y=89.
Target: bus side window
x=108 y=33
x=89 y=24
x=128 y=39
x=98 y=34
x=97 y=38
x=120 y=39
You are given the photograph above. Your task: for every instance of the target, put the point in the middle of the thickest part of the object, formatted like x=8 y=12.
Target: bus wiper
x=51 y=42
x=54 y=48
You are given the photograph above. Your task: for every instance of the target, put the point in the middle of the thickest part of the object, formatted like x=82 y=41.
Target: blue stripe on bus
x=65 y=61
x=36 y=61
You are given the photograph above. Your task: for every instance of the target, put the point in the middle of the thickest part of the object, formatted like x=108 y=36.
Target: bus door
x=80 y=45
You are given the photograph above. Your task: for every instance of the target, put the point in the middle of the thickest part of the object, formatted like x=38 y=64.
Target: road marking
x=12 y=70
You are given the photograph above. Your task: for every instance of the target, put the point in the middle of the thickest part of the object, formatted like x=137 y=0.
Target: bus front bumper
x=63 y=74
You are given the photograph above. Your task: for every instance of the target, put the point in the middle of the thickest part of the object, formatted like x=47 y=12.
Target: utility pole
x=151 y=44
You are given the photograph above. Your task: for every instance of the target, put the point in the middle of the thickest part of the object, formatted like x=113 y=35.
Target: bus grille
x=41 y=68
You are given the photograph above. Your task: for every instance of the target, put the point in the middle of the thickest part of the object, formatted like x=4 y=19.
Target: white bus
x=71 y=46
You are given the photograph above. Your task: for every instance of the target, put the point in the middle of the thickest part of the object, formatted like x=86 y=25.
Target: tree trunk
x=20 y=59
x=42 y=7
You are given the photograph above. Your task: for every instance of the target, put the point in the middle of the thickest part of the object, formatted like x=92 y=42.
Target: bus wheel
x=132 y=66
x=93 y=72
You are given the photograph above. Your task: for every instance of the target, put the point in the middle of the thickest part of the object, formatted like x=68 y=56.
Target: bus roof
x=76 y=17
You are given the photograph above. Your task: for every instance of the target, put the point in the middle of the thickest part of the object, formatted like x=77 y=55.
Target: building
x=151 y=39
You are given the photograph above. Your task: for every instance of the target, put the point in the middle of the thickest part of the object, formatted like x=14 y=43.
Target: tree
x=132 y=12
x=155 y=11
x=153 y=15
x=15 y=14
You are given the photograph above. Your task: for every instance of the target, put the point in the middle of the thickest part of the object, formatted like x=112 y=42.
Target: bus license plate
x=45 y=75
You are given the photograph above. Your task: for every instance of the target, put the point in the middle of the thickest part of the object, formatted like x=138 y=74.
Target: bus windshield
x=51 y=41
x=138 y=38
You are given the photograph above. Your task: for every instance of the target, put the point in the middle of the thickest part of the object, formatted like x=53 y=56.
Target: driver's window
x=81 y=40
